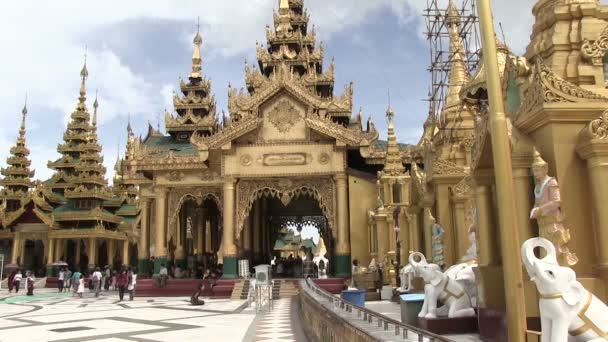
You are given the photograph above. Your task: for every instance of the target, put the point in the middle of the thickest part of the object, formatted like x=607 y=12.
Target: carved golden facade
x=555 y=99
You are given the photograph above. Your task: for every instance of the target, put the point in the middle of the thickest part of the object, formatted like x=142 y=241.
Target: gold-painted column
x=509 y=231
x=413 y=226
x=92 y=253
x=343 y=245
x=78 y=251
x=427 y=227
x=247 y=243
x=59 y=248
x=486 y=233
x=50 y=253
x=229 y=215
x=200 y=233
x=523 y=193
x=445 y=219
x=208 y=237
x=111 y=249
x=462 y=239
x=382 y=229
x=160 y=242
x=22 y=251
x=594 y=149
x=126 y=253
x=143 y=248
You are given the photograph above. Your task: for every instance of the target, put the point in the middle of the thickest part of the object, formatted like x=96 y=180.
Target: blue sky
x=137 y=50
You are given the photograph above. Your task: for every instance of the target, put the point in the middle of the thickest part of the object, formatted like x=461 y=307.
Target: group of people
x=16 y=277
x=122 y=281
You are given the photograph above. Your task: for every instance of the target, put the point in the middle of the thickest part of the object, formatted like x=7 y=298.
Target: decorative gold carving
x=598 y=128
x=324 y=158
x=286 y=159
x=595 y=50
x=284 y=116
x=444 y=167
x=463 y=188
x=547 y=87
x=246 y=160
x=286 y=190
x=175 y=176
x=347 y=136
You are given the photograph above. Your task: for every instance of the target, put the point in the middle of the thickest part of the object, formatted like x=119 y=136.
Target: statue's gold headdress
x=538 y=160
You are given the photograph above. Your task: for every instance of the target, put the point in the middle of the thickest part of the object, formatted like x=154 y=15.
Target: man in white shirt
x=164 y=274
x=96 y=278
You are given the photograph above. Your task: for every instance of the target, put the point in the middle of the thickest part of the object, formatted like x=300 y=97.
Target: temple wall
x=361 y=197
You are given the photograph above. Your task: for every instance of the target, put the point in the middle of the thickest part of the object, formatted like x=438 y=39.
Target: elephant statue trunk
x=568 y=312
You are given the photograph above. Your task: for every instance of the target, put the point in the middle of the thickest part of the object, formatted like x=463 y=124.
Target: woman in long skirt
x=11 y=278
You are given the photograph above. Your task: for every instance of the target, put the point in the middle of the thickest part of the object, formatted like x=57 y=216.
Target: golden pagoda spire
x=95 y=106
x=21 y=138
x=17 y=174
x=283 y=5
x=84 y=73
x=196 y=55
x=458 y=69
x=392 y=164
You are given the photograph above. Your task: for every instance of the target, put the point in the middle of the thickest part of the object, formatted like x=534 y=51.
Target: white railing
x=374 y=320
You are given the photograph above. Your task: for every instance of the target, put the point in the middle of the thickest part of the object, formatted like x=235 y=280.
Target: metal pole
x=509 y=232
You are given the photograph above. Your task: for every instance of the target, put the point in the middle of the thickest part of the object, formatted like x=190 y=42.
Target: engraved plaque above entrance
x=284 y=115
x=284 y=159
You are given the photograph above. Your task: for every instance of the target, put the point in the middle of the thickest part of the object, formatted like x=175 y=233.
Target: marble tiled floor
x=280 y=324
x=50 y=316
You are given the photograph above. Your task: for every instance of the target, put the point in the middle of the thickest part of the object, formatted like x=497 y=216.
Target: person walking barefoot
x=122 y=282
x=80 y=290
x=17 y=281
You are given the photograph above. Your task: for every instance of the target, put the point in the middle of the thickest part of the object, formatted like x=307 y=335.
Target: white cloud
x=43 y=44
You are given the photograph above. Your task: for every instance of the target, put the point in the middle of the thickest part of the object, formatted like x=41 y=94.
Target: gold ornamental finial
x=84 y=73
x=458 y=70
x=95 y=106
x=538 y=161
x=283 y=4
x=23 y=115
x=452 y=17
x=196 y=55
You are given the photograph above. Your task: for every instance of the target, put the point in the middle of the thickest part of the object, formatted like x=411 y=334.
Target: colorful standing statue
x=568 y=311
x=547 y=211
x=438 y=232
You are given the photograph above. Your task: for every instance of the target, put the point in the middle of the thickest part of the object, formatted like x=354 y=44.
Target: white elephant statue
x=568 y=312
x=464 y=274
x=439 y=286
x=406 y=274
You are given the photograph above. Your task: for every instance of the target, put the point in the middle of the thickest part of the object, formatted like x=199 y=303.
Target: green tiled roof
x=127 y=210
x=171 y=144
x=129 y=220
x=69 y=206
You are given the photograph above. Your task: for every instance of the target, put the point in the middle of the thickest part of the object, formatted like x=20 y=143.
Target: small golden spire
x=23 y=115
x=95 y=106
x=458 y=70
x=196 y=55
x=84 y=73
x=283 y=5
